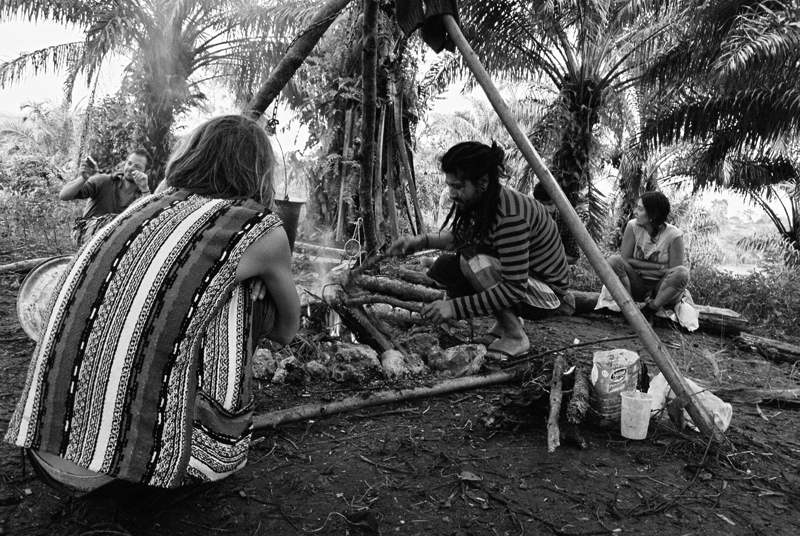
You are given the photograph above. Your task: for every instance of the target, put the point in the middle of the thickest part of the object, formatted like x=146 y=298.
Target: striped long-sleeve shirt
x=527 y=242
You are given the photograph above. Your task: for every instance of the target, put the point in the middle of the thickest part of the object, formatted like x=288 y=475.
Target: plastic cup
x=635 y=414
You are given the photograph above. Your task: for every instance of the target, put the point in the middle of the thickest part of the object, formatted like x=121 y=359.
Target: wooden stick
x=391 y=202
x=556 y=395
x=403 y=152
x=698 y=412
x=369 y=100
x=22 y=266
x=348 y=129
x=365 y=400
x=579 y=401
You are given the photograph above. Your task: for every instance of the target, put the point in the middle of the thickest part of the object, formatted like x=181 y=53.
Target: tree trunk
x=369 y=62
x=294 y=57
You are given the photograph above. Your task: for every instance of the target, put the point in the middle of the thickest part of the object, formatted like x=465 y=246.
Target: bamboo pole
x=311 y=411
x=697 y=411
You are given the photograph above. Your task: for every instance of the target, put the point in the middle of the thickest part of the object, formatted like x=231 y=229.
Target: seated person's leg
x=669 y=290
x=629 y=277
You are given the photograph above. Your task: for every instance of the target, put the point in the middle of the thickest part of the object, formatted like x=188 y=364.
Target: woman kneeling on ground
x=143 y=376
x=507 y=260
x=650 y=263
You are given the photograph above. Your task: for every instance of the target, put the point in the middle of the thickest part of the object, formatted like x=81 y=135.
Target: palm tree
x=591 y=53
x=727 y=89
x=172 y=46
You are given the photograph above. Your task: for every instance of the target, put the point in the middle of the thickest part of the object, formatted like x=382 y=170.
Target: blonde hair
x=228 y=157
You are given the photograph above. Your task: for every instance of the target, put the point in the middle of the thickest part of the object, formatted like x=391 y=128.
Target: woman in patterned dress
x=651 y=264
x=143 y=375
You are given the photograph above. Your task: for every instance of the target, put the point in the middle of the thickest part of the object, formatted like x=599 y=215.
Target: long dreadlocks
x=470 y=161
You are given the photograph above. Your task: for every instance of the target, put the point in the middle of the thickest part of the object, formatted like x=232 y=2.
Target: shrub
x=767 y=298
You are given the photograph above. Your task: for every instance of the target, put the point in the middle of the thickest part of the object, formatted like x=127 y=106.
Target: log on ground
x=773 y=350
x=712 y=319
x=556 y=395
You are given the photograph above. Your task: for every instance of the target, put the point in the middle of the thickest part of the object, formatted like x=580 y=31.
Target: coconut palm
x=590 y=52
x=171 y=46
x=727 y=87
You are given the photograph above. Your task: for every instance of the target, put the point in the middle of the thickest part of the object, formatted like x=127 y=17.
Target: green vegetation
x=684 y=97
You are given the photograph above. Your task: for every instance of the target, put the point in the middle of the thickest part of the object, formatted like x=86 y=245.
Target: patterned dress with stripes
x=143 y=371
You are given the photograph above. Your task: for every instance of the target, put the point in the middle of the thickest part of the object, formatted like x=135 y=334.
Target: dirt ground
x=428 y=467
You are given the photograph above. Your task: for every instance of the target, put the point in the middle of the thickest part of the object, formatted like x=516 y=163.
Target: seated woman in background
x=143 y=374
x=650 y=263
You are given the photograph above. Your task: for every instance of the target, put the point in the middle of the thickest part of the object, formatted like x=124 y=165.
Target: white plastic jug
x=613 y=372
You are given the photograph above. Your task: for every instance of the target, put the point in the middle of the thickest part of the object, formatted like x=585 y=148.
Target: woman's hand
x=258 y=289
x=438 y=312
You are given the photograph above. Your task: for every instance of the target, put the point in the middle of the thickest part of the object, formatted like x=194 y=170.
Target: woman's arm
x=627 y=249
x=676 y=253
x=270 y=260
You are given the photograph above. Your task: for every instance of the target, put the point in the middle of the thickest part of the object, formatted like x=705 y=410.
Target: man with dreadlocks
x=505 y=256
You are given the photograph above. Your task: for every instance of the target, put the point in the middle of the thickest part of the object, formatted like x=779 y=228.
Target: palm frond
x=763 y=38
x=45 y=60
x=63 y=11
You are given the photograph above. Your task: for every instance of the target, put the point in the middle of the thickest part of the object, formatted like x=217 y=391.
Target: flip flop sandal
x=499 y=359
x=486 y=339
x=501 y=356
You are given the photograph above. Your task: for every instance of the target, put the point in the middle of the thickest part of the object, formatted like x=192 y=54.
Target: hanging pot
x=289 y=212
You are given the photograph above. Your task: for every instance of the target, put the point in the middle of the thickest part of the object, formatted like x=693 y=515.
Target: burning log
x=553 y=431
x=413 y=307
x=400 y=289
x=411 y=276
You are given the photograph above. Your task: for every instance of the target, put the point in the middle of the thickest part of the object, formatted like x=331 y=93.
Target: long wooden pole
x=298 y=52
x=697 y=411
x=311 y=411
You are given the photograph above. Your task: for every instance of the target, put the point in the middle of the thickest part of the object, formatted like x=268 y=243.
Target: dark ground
x=428 y=467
